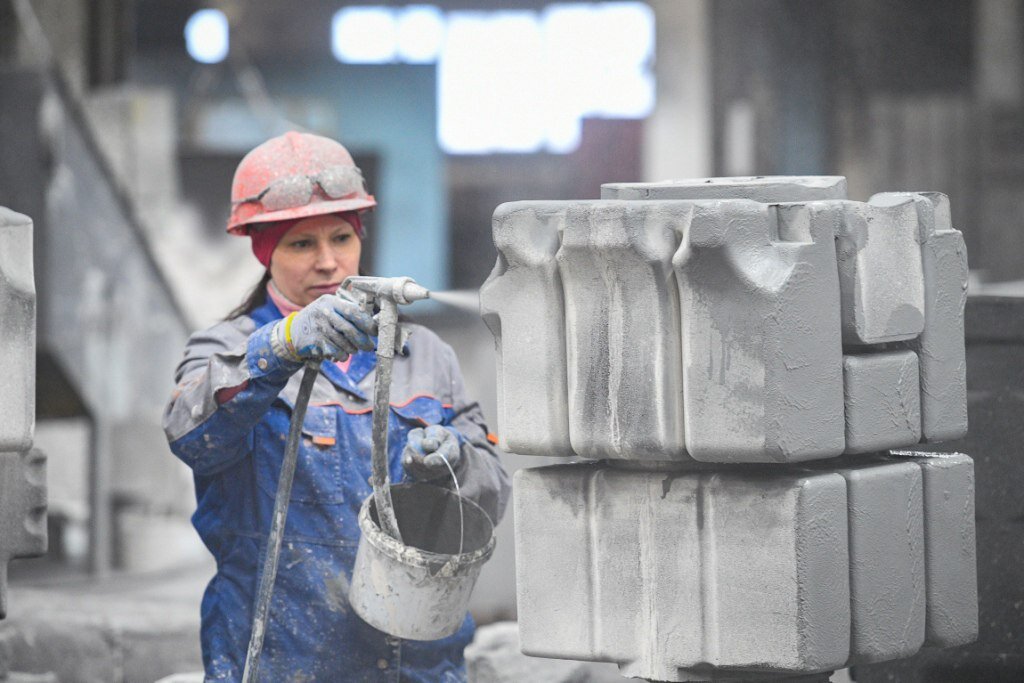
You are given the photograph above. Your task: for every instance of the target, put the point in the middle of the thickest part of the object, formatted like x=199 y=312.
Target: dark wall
x=995 y=395
x=796 y=60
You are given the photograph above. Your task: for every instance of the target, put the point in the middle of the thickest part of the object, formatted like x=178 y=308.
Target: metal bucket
x=420 y=590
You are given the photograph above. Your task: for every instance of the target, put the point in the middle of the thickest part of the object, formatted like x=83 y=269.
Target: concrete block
x=622 y=326
x=22 y=511
x=883 y=401
x=940 y=345
x=765 y=189
x=18 y=341
x=880 y=273
x=887 y=559
x=521 y=302
x=762 y=351
x=951 y=580
x=666 y=573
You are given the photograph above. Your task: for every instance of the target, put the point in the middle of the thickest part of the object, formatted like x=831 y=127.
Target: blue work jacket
x=228 y=420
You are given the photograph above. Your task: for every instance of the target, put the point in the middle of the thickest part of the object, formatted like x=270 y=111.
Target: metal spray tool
x=385 y=293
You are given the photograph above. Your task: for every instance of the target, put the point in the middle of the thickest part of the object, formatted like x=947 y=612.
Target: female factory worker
x=298 y=197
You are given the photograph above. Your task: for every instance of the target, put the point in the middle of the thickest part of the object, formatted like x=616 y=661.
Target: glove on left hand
x=427 y=449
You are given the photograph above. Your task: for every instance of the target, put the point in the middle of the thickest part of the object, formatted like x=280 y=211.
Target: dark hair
x=256 y=298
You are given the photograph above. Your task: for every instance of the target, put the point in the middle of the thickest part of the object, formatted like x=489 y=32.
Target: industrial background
x=121 y=122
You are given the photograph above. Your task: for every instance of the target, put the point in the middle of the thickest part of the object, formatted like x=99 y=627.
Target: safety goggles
x=336 y=182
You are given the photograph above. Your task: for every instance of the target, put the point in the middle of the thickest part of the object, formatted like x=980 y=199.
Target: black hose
x=281 y=499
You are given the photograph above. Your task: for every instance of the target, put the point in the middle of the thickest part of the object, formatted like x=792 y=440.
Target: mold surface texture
x=940 y=346
x=950 y=547
x=732 y=358
x=18 y=341
x=622 y=328
x=522 y=304
x=22 y=470
x=883 y=401
x=763 y=189
x=739 y=571
x=880 y=274
x=762 y=350
x=752 y=326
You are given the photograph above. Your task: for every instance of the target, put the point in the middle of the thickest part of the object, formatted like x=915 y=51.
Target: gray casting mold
x=22 y=470
x=882 y=400
x=745 y=570
x=529 y=331
x=940 y=346
x=763 y=189
x=683 y=328
x=880 y=277
x=614 y=336
x=22 y=511
x=668 y=572
x=18 y=341
x=950 y=556
x=761 y=345
x=712 y=346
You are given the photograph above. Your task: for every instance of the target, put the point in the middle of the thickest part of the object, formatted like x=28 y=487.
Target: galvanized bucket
x=420 y=590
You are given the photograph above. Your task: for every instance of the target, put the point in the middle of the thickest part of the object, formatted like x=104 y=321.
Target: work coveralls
x=228 y=420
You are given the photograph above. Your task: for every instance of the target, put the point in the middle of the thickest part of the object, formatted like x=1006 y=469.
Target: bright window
x=420 y=34
x=364 y=35
x=514 y=81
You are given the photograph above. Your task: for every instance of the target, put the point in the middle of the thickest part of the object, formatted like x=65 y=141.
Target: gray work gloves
x=427 y=449
x=333 y=326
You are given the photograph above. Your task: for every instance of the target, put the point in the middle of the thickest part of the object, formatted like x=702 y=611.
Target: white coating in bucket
x=420 y=590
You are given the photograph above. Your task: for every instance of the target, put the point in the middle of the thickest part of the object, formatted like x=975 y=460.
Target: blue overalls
x=228 y=420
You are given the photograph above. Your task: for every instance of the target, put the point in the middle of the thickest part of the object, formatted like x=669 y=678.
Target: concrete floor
x=143 y=627
x=117 y=629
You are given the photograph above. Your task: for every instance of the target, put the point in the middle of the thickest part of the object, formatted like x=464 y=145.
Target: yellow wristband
x=288 y=331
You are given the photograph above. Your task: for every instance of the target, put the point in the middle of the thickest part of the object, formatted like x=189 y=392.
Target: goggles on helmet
x=336 y=182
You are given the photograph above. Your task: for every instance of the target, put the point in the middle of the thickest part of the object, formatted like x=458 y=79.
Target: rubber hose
x=281 y=499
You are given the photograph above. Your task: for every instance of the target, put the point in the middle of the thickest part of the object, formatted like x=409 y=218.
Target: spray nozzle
x=401 y=290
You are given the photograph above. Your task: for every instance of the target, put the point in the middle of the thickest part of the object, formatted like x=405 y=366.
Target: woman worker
x=298 y=197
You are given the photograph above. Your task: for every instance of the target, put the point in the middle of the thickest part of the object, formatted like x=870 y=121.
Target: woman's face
x=314 y=257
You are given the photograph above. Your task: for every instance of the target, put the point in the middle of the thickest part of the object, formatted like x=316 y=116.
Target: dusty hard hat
x=295 y=175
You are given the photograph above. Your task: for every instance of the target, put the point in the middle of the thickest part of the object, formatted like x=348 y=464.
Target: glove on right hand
x=333 y=326
x=427 y=449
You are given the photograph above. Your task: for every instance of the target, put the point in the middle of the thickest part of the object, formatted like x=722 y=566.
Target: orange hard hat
x=292 y=176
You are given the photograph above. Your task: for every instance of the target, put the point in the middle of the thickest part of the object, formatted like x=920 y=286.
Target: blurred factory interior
x=121 y=122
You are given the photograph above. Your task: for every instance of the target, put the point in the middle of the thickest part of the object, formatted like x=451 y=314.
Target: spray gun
x=385 y=293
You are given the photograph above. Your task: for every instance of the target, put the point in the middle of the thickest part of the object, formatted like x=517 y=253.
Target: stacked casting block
x=707 y=343
x=22 y=470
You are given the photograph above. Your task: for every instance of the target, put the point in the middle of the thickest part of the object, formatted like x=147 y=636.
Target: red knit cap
x=265 y=239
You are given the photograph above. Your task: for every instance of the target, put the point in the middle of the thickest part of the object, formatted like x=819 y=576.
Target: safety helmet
x=293 y=176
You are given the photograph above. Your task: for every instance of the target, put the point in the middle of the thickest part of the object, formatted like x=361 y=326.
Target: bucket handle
x=462 y=528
